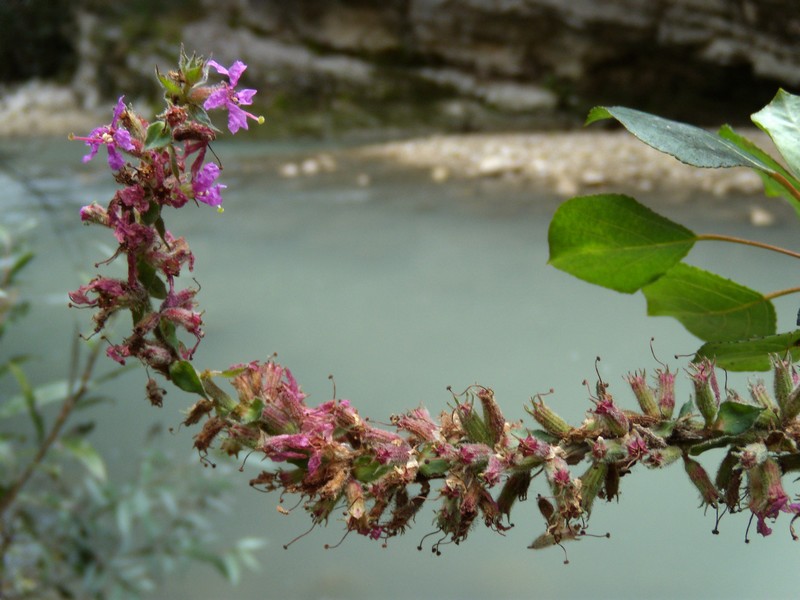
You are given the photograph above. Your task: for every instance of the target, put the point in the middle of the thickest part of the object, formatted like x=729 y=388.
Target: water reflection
x=400 y=288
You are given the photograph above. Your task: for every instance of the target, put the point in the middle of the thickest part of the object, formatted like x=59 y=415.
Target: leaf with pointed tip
x=689 y=144
x=183 y=375
x=709 y=306
x=780 y=119
x=752 y=354
x=613 y=241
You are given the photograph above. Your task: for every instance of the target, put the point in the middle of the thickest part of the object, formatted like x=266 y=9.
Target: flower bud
x=548 y=419
x=665 y=393
x=515 y=488
x=697 y=474
x=591 y=482
x=706 y=389
x=475 y=427
x=783 y=383
x=790 y=407
x=644 y=393
x=94 y=213
x=769 y=416
x=612 y=418
x=492 y=415
x=661 y=457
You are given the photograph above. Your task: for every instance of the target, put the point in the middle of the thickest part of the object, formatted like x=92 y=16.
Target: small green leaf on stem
x=186 y=378
x=158 y=136
x=734 y=418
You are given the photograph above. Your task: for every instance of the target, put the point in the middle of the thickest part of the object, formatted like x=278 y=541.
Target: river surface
x=400 y=287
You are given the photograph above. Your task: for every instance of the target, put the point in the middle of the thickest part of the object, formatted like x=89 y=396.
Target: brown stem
x=735 y=240
x=785 y=183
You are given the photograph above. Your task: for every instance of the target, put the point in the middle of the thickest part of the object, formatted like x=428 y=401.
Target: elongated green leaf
x=753 y=354
x=780 y=119
x=86 y=454
x=772 y=187
x=734 y=418
x=29 y=397
x=613 y=241
x=689 y=144
x=709 y=306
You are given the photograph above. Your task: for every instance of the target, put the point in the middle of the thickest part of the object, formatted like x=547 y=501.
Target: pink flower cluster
x=380 y=479
x=159 y=164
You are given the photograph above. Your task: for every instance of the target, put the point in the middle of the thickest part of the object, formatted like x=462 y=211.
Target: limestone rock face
x=463 y=64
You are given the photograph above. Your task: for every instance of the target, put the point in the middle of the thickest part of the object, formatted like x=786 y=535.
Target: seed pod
x=591 y=482
x=548 y=419
x=697 y=474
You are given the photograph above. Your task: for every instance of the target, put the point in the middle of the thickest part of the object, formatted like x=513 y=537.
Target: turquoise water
x=400 y=288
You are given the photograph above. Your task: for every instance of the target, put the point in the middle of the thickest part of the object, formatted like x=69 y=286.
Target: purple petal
x=92 y=153
x=237 y=118
x=115 y=160
x=245 y=96
x=218 y=67
x=221 y=97
x=122 y=138
x=235 y=72
x=118 y=110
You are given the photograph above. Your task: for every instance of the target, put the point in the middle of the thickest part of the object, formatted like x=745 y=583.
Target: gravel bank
x=567 y=163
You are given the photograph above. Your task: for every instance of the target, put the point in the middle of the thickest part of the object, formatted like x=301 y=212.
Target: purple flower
x=204 y=188
x=227 y=97
x=112 y=137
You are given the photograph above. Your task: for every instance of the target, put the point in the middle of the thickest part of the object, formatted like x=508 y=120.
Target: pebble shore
x=566 y=163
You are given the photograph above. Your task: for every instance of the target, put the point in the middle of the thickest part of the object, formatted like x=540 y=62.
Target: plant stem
x=785 y=183
x=66 y=409
x=735 y=240
x=780 y=293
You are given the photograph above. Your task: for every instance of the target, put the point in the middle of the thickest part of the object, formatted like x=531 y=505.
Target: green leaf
x=170 y=86
x=19 y=263
x=613 y=241
x=86 y=454
x=686 y=409
x=150 y=280
x=734 y=418
x=183 y=375
x=709 y=306
x=753 y=354
x=159 y=135
x=689 y=144
x=780 y=119
x=772 y=187
x=253 y=412
x=29 y=399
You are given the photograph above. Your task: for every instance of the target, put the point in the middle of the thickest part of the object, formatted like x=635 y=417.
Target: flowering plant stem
x=380 y=478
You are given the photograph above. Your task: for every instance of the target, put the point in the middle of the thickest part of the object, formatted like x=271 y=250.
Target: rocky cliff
x=453 y=64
